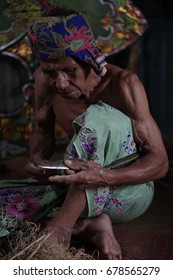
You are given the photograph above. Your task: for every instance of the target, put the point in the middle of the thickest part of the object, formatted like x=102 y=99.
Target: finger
x=32 y=169
x=69 y=172
x=59 y=178
x=37 y=158
x=75 y=164
x=63 y=179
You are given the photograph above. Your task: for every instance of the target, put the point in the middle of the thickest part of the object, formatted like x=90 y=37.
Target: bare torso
x=66 y=110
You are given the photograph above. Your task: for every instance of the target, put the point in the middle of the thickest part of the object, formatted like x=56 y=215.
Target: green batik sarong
x=27 y=200
x=104 y=134
x=101 y=134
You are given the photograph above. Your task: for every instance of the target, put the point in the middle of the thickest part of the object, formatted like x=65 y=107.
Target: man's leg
x=62 y=224
x=97 y=231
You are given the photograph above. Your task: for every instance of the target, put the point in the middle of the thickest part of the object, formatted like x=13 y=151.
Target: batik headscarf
x=54 y=37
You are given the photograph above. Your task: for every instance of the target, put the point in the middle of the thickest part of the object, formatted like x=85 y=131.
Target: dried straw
x=30 y=244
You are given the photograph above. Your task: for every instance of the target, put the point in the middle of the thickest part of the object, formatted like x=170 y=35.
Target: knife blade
x=53 y=165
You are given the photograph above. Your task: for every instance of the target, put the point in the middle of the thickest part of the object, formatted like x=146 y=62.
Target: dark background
x=156 y=61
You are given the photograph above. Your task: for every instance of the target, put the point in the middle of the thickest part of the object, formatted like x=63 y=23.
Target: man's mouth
x=75 y=94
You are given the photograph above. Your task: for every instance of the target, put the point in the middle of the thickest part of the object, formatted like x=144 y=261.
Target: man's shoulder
x=124 y=84
x=121 y=74
x=128 y=91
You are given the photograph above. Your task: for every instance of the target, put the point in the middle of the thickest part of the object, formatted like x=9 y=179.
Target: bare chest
x=66 y=111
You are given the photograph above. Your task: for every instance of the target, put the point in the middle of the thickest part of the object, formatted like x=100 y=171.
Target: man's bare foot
x=58 y=234
x=99 y=232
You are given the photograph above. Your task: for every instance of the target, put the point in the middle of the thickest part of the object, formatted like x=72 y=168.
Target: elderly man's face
x=66 y=76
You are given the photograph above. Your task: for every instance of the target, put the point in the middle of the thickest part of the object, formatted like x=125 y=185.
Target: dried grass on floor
x=30 y=244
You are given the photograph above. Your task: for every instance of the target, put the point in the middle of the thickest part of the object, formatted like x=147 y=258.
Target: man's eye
x=50 y=74
x=69 y=71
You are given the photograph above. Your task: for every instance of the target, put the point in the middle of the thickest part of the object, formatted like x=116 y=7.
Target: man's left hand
x=87 y=174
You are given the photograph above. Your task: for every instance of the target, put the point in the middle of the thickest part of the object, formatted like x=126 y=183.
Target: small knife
x=115 y=164
x=53 y=165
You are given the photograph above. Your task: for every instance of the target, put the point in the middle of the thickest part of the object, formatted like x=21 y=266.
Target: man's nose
x=62 y=81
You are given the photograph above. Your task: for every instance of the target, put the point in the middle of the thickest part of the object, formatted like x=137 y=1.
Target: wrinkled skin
x=63 y=90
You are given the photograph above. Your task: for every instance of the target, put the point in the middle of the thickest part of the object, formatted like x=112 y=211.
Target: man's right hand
x=37 y=172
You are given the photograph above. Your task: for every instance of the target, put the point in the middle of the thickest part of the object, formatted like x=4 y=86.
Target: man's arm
x=153 y=163
x=43 y=139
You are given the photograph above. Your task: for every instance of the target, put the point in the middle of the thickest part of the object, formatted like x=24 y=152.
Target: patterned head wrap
x=54 y=37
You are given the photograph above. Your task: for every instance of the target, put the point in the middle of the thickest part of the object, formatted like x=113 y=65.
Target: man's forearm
x=145 y=169
x=41 y=146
